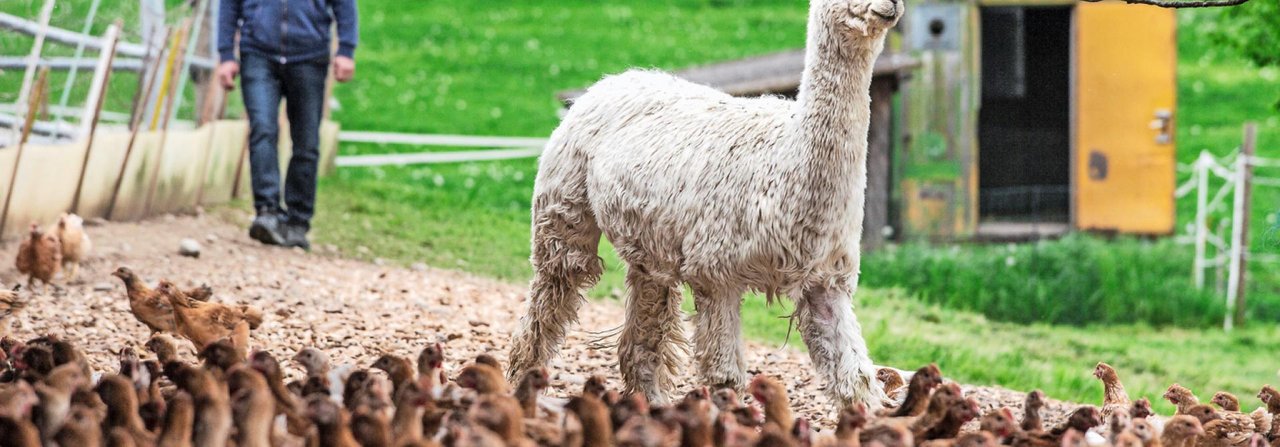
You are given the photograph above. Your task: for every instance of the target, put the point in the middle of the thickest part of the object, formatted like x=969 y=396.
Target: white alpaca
x=725 y=194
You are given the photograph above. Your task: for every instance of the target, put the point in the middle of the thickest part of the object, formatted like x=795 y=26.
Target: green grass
x=1078 y=280
x=1059 y=359
x=473 y=67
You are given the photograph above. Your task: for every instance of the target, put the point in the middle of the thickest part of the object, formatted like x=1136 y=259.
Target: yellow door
x=1125 y=60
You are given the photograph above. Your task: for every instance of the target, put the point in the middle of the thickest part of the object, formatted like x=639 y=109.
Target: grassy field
x=472 y=67
x=1078 y=280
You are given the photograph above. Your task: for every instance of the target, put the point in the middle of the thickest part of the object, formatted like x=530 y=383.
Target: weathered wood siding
x=939 y=172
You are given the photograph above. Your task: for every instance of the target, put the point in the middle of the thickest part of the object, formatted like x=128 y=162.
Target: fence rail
x=71 y=38
x=497 y=148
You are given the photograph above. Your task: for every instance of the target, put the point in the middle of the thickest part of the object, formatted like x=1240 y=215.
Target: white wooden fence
x=1220 y=229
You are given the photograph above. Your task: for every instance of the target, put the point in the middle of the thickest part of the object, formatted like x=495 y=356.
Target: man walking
x=284 y=53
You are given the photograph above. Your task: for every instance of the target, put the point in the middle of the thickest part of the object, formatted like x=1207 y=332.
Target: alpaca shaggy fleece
x=693 y=186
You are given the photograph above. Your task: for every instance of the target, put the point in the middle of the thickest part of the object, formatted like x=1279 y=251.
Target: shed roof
x=770 y=73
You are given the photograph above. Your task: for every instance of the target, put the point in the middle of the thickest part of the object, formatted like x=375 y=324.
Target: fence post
x=1240 y=229
x=173 y=70
x=139 y=108
x=34 y=101
x=193 y=39
x=1201 y=171
x=93 y=103
x=33 y=60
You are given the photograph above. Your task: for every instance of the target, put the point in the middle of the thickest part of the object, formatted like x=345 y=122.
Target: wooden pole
x=244 y=154
x=93 y=104
x=211 y=111
x=1240 y=229
x=192 y=40
x=41 y=86
x=214 y=105
x=145 y=78
x=139 y=110
x=165 y=82
x=33 y=59
x=175 y=64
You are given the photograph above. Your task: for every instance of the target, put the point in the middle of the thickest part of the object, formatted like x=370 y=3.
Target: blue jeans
x=301 y=84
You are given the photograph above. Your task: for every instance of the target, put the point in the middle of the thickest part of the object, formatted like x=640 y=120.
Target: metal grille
x=1028 y=202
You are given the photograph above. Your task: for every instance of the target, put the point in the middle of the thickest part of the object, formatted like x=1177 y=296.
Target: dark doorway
x=1024 y=144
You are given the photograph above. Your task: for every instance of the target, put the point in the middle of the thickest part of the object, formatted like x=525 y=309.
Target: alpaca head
x=859 y=19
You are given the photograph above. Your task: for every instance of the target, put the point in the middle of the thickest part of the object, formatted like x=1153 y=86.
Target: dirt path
x=353 y=310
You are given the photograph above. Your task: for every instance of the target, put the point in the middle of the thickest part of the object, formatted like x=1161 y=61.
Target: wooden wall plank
x=179 y=175
x=100 y=173
x=224 y=153
x=45 y=186
x=131 y=204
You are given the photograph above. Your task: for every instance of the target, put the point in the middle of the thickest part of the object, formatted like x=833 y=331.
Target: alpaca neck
x=829 y=131
x=834 y=100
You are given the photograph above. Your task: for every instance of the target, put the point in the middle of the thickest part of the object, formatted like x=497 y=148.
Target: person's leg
x=304 y=103
x=261 y=87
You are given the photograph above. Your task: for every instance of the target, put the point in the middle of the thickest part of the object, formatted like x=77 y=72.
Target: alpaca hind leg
x=652 y=345
x=566 y=262
x=836 y=347
x=717 y=338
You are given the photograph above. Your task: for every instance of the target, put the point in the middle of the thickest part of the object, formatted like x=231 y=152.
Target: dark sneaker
x=266 y=229
x=296 y=236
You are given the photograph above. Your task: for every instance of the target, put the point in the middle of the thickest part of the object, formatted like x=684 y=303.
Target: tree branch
x=1182 y=4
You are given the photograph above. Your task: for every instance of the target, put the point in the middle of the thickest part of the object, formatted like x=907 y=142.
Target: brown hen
x=75 y=243
x=149 y=306
x=39 y=257
x=10 y=305
x=922 y=383
x=1114 y=397
x=204 y=323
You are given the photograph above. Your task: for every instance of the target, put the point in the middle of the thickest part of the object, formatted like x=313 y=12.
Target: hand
x=344 y=68
x=226 y=74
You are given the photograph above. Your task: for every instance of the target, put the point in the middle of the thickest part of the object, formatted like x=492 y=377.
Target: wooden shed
x=779 y=74
x=1029 y=118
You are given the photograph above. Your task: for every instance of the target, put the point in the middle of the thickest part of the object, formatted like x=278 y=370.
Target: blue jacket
x=286 y=30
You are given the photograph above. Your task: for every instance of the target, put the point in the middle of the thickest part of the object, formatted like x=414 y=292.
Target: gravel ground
x=353 y=310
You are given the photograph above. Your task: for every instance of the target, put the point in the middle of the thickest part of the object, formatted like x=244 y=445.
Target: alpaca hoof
x=734 y=381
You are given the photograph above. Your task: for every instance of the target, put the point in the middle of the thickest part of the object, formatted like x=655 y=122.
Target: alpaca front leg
x=652 y=345
x=717 y=339
x=836 y=347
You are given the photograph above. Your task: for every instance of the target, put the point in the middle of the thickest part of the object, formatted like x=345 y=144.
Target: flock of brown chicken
x=50 y=396
x=43 y=254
